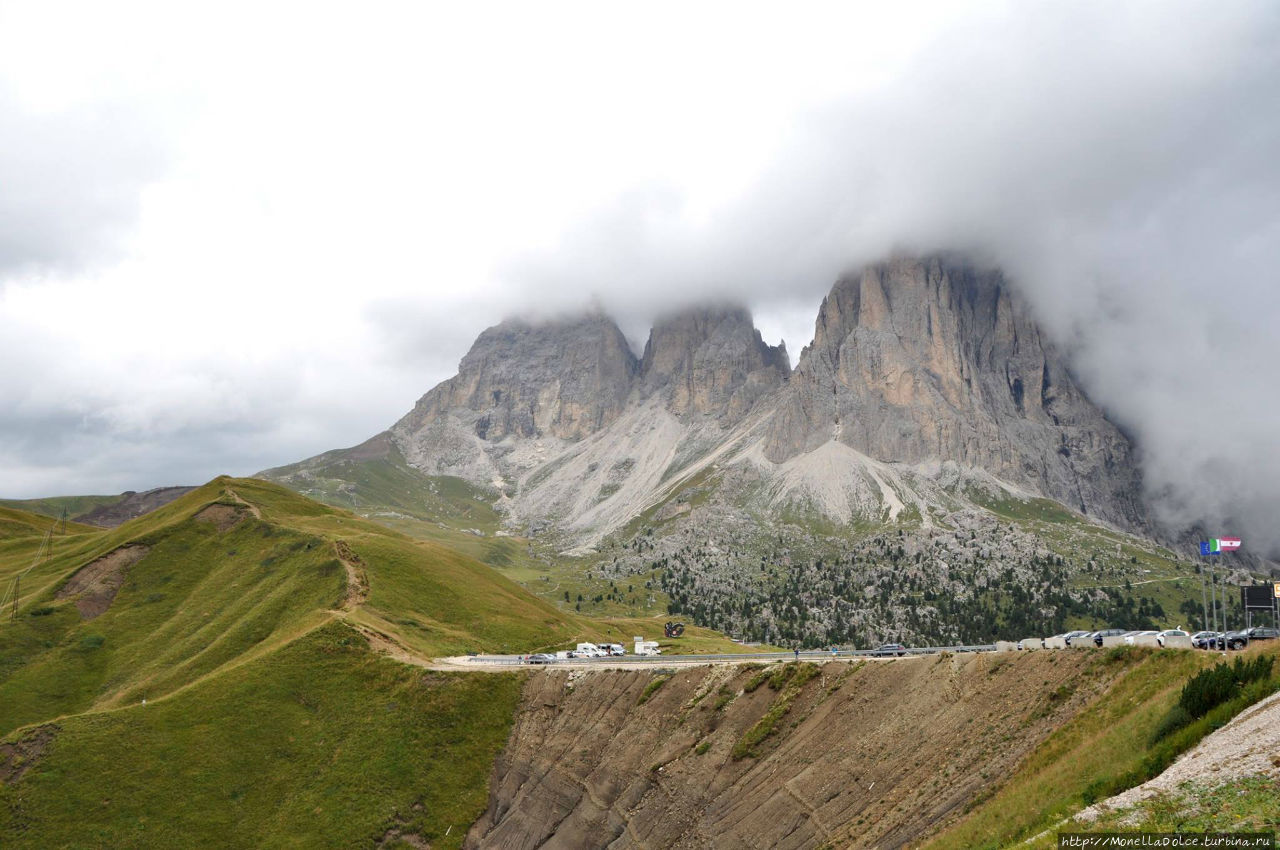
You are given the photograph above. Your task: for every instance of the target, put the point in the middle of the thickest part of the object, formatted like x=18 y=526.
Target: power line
x=43 y=553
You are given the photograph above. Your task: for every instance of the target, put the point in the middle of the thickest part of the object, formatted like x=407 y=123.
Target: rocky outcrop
x=923 y=360
x=567 y=379
x=711 y=362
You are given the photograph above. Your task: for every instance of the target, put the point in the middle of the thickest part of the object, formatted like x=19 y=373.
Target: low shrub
x=757 y=680
x=1238 y=684
x=1210 y=688
x=651 y=689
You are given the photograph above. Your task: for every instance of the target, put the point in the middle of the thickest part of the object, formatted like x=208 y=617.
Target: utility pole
x=17 y=588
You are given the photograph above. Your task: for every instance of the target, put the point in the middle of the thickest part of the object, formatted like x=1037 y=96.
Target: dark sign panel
x=1258 y=596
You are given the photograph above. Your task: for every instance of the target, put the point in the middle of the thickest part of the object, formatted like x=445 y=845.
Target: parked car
x=1070 y=636
x=1235 y=640
x=1106 y=633
x=890 y=649
x=540 y=658
x=1205 y=640
x=1170 y=633
x=1131 y=637
x=1241 y=639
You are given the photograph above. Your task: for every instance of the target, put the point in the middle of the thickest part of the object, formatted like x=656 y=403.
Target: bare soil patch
x=97 y=583
x=396 y=835
x=21 y=755
x=223 y=517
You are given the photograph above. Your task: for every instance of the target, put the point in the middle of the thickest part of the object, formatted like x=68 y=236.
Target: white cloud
x=255 y=231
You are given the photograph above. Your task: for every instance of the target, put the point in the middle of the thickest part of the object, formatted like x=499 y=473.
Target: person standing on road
x=796 y=650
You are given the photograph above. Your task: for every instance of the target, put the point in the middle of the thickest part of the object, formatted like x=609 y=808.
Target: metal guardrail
x=805 y=655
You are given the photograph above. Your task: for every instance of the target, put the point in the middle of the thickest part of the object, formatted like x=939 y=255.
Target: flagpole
x=1213 y=595
x=1204 y=599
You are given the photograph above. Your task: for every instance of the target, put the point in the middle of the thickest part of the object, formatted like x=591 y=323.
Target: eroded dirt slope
x=96 y=584
x=876 y=754
x=131 y=506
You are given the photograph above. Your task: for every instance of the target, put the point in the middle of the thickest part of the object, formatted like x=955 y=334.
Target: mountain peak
x=916 y=360
x=566 y=377
x=711 y=360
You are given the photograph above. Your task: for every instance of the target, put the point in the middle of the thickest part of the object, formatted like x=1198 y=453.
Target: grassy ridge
x=198 y=600
x=268 y=720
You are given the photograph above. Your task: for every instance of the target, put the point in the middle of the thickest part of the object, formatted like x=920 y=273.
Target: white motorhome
x=589 y=650
x=646 y=647
x=613 y=649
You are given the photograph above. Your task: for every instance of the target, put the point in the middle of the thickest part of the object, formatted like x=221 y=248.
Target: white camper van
x=646 y=647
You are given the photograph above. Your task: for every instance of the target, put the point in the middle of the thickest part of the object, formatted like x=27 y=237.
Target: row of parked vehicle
x=1200 y=640
x=1233 y=640
x=584 y=650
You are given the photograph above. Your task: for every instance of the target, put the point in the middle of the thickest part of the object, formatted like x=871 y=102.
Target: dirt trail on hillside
x=97 y=583
x=1247 y=746
x=386 y=645
x=253 y=509
x=357 y=578
x=863 y=755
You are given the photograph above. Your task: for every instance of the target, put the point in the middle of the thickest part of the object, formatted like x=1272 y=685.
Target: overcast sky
x=237 y=236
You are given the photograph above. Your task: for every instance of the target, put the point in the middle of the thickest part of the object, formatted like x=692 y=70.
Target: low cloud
x=339 y=234
x=1118 y=162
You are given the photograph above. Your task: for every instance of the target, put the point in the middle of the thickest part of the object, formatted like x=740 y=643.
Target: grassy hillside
x=321 y=744
x=55 y=506
x=202 y=675
x=20 y=523
x=1110 y=746
x=211 y=674
x=374 y=480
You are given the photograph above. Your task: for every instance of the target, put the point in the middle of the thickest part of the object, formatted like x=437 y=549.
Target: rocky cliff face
x=711 y=362
x=567 y=379
x=916 y=361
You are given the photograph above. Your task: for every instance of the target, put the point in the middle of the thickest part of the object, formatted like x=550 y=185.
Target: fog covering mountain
x=927 y=377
